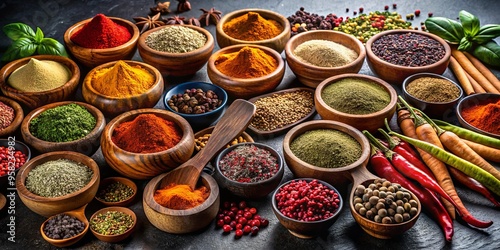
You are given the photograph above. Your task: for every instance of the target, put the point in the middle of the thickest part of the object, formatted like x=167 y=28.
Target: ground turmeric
x=248 y=62
x=181 y=197
x=252 y=27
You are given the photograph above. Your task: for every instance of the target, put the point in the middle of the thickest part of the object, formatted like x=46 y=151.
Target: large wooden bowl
x=145 y=166
x=176 y=64
x=396 y=74
x=246 y=87
x=370 y=122
x=113 y=106
x=46 y=206
x=32 y=100
x=18 y=117
x=93 y=57
x=181 y=221
x=116 y=237
x=86 y=145
x=311 y=75
x=338 y=177
x=277 y=43
x=78 y=213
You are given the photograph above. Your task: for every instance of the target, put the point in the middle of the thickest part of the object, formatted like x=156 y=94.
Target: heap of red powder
x=484 y=117
x=101 y=33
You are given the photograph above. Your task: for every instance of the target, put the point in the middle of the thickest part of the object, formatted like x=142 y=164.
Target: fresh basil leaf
x=445 y=28
x=464 y=45
x=20 y=48
x=38 y=35
x=50 y=46
x=488 y=53
x=470 y=23
x=16 y=30
x=487 y=33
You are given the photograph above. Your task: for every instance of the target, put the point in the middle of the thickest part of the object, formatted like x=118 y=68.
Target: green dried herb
x=111 y=223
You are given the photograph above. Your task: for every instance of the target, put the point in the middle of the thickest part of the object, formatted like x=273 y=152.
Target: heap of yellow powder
x=39 y=75
x=180 y=197
x=246 y=63
x=122 y=80
x=252 y=27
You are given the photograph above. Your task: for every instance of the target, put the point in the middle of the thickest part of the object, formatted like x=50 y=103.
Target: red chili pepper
x=430 y=202
x=473 y=185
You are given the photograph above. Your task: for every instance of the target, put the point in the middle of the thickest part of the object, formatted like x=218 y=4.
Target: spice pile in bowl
x=194 y=101
x=63 y=226
x=432 y=89
x=6 y=115
x=39 y=75
x=105 y=34
x=176 y=39
x=324 y=53
x=247 y=62
x=180 y=196
x=252 y=27
x=19 y=160
x=115 y=192
x=111 y=222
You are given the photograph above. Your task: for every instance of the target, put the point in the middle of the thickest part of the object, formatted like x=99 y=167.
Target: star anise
x=210 y=16
x=150 y=22
x=183 y=5
x=194 y=21
x=160 y=7
x=175 y=20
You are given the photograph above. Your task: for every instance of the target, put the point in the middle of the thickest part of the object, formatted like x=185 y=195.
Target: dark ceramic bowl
x=4 y=179
x=204 y=120
x=473 y=100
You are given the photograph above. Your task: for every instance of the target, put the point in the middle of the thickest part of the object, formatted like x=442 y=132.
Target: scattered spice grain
x=324 y=53
x=176 y=39
x=432 y=89
x=6 y=115
x=111 y=223
x=39 y=75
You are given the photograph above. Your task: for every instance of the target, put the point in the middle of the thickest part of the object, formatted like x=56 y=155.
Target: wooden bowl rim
x=375 y=58
x=275 y=16
x=87 y=82
x=3 y=201
x=313 y=33
x=70 y=64
x=28 y=166
x=18 y=116
x=126 y=181
x=476 y=98
x=118 y=209
x=65 y=242
x=99 y=116
x=322 y=124
x=234 y=48
x=208 y=46
x=331 y=80
x=286 y=127
x=128 y=24
x=187 y=132
x=413 y=77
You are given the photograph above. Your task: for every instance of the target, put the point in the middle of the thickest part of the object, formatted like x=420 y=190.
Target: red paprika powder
x=147 y=133
x=485 y=117
x=101 y=33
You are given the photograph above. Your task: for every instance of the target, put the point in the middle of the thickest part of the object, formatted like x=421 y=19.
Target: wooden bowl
x=145 y=166
x=255 y=190
x=34 y=100
x=116 y=237
x=107 y=181
x=432 y=109
x=3 y=201
x=86 y=145
x=246 y=87
x=306 y=229
x=94 y=57
x=181 y=221
x=78 y=213
x=7 y=179
x=311 y=75
x=370 y=122
x=112 y=106
x=338 y=177
x=46 y=206
x=474 y=100
x=396 y=74
x=18 y=117
x=176 y=64
x=277 y=43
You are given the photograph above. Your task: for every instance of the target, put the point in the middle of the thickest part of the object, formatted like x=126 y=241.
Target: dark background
x=55 y=16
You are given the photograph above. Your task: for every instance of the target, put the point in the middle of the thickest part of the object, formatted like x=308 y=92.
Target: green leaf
x=488 y=53
x=464 y=44
x=487 y=33
x=38 y=35
x=20 y=48
x=50 y=46
x=470 y=23
x=445 y=28
x=17 y=30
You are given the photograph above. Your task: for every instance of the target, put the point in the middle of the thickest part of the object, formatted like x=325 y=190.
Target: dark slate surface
x=55 y=16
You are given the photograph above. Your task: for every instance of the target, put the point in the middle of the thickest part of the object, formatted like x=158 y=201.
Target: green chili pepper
x=466 y=167
x=469 y=134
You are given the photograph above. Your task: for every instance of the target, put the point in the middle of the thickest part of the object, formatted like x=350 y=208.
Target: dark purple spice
x=249 y=164
x=408 y=49
x=6 y=115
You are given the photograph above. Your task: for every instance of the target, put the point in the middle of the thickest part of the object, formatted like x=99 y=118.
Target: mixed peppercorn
x=115 y=192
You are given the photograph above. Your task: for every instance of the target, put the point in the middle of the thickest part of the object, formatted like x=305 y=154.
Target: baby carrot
x=488 y=153
x=469 y=134
x=484 y=70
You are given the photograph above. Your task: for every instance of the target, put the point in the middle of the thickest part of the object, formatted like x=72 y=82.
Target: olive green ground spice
x=327 y=148
x=432 y=89
x=57 y=178
x=176 y=39
x=355 y=96
x=63 y=123
x=111 y=223
x=325 y=53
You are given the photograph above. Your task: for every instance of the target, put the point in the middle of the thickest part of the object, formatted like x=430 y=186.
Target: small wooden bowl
x=311 y=75
x=78 y=213
x=256 y=190
x=34 y=100
x=46 y=206
x=338 y=177
x=246 y=87
x=370 y=122
x=4 y=179
x=18 y=117
x=396 y=74
x=107 y=181
x=473 y=100
x=176 y=64
x=113 y=106
x=94 y=57
x=277 y=43
x=306 y=229
x=145 y=166
x=116 y=237
x=86 y=145
x=181 y=221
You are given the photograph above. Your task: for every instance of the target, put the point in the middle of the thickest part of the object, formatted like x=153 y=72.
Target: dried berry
x=417 y=12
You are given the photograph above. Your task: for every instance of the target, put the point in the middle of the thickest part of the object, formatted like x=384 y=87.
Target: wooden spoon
x=236 y=119
x=78 y=213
